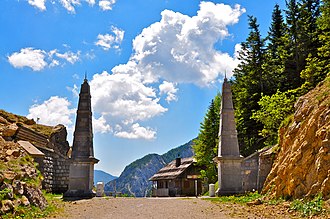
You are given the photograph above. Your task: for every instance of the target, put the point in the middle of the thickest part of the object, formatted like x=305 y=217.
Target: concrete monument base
x=229 y=175
x=81 y=179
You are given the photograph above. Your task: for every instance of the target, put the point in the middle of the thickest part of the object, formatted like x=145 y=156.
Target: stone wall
x=250 y=166
x=55 y=166
x=255 y=169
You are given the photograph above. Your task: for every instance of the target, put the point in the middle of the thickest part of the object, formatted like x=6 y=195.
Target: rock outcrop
x=20 y=181
x=302 y=165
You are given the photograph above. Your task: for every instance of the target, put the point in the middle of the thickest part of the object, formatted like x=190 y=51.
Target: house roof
x=170 y=171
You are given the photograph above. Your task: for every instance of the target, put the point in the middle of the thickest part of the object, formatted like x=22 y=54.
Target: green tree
x=273 y=110
x=206 y=144
x=275 y=55
x=318 y=66
x=247 y=88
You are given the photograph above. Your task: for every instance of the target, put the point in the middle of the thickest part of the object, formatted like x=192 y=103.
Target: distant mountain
x=134 y=180
x=101 y=176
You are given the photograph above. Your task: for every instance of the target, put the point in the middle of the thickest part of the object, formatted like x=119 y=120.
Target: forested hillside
x=278 y=68
x=274 y=71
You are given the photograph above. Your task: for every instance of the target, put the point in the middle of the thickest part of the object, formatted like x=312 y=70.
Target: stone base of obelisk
x=229 y=175
x=81 y=180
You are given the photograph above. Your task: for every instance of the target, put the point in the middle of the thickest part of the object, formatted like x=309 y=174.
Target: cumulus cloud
x=169 y=89
x=112 y=40
x=123 y=101
x=180 y=49
x=106 y=5
x=177 y=49
x=136 y=131
x=55 y=110
x=28 y=57
x=70 y=5
x=69 y=56
x=40 y=4
x=38 y=59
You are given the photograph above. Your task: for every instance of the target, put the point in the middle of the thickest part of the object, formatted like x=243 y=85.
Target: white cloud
x=40 y=4
x=69 y=56
x=113 y=40
x=136 y=131
x=91 y=2
x=100 y=125
x=122 y=101
x=177 y=49
x=29 y=57
x=55 y=110
x=106 y=5
x=38 y=59
x=69 y=5
x=180 y=49
x=169 y=89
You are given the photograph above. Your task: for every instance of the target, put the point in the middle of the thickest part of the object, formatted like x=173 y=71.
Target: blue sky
x=153 y=66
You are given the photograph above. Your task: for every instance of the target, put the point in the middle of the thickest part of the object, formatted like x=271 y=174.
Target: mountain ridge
x=134 y=180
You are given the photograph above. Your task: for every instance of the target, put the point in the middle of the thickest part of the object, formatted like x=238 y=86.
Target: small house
x=181 y=177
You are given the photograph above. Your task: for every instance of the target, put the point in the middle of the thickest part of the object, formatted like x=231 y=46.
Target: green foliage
x=206 y=144
x=308 y=208
x=247 y=87
x=3 y=193
x=240 y=199
x=54 y=207
x=273 y=110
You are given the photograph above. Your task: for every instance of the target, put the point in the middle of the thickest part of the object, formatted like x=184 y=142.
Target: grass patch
x=237 y=199
x=308 y=208
x=55 y=206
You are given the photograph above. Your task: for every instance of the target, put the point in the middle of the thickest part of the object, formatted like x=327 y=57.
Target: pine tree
x=318 y=65
x=248 y=87
x=206 y=145
x=275 y=55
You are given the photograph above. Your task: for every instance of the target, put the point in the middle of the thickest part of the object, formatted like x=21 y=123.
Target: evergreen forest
x=274 y=71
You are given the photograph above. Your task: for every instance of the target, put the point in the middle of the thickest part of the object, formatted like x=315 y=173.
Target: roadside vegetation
x=55 y=206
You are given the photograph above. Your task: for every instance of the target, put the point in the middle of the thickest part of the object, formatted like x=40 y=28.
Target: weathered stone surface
x=229 y=159
x=7 y=206
x=302 y=166
x=35 y=197
x=9 y=130
x=25 y=201
x=18 y=187
x=3 y=120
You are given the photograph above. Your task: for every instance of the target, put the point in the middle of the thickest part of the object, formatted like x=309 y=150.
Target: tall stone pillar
x=82 y=164
x=229 y=159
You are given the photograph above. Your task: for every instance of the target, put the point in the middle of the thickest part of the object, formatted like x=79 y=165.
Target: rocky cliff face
x=134 y=180
x=302 y=165
x=20 y=181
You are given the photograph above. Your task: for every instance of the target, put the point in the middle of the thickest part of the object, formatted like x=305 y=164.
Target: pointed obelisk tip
x=225 y=79
x=85 y=80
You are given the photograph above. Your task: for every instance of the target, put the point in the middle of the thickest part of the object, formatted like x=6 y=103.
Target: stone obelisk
x=82 y=165
x=229 y=159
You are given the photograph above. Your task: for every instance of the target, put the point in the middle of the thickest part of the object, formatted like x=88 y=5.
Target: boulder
x=7 y=206
x=9 y=130
x=35 y=196
x=25 y=201
x=18 y=187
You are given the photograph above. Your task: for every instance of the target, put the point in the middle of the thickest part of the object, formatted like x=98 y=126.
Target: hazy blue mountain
x=134 y=180
x=101 y=176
